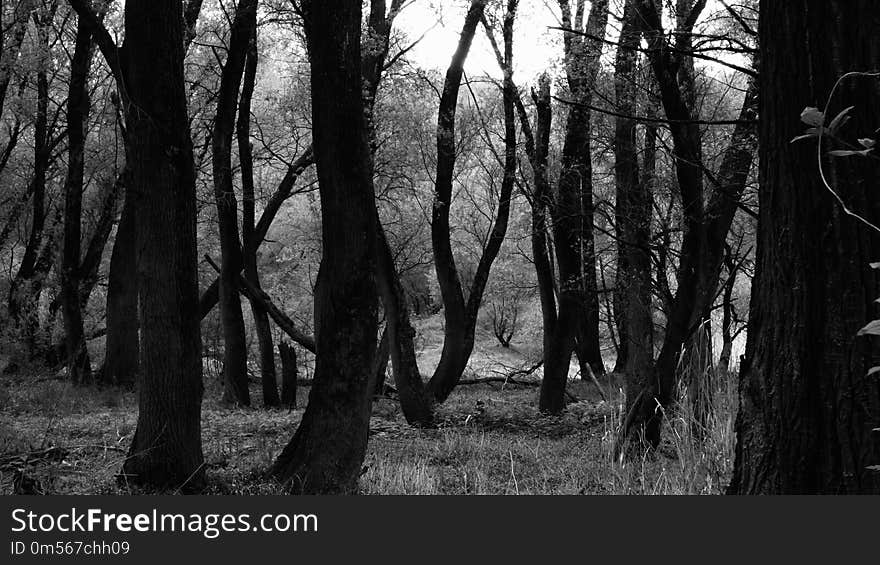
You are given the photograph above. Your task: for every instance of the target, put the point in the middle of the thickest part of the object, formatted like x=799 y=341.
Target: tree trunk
x=78 y=363
x=633 y=287
x=166 y=451
x=415 y=402
x=327 y=451
x=22 y=297
x=808 y=410
x=577 y=323
x=121 y=355
x=380 y=366
x=235 y=375
x=456 y=345
x=248 y=218
x=288 y=374
x=705 y=225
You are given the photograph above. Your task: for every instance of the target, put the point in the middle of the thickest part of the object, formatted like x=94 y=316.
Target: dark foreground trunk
x=327 y=451
x=288 y=374
x=166 y=451
x=808 y=411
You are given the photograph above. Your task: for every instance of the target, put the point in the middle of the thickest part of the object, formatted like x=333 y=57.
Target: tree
x=808 y=410
x=79 y=366
x=235 y=375
x=460 y=314
x=326 y=452
x=633 y=215
x=706 y=218
x=248 y=218
x=166 y=450
x=576 y=324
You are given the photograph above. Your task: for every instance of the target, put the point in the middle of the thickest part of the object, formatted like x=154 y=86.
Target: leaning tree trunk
x=457 y=346
x=166 y=450
x=808 y=410
x=235 y=375
x=398 y=338
x=78 y=364
x=327 y=451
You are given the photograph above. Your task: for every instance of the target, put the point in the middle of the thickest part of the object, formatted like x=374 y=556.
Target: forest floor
x=490 y=439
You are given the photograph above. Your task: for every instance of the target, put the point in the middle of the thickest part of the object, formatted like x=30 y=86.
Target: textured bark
x=632 y=301
x=808 y=411
x=78 y=364
x=235 y=375
x=166 y=450
x=577 y=323
x=327 y=451
x=121 y=355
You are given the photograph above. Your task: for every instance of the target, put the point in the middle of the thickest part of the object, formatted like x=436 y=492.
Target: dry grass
x=491 y=440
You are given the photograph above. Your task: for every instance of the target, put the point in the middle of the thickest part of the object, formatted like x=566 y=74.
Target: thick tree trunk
x=121 y=355
x=633 y=210
x=78 y=363
x=166 y=451
x=808 y=410
x=327 y=451
x=235 y=375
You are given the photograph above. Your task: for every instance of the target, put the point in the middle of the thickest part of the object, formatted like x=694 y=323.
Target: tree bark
x=577 y=323
x=235 y=376
x=268 y=377
x=288 y=374
x=166 y=451
x=78 y=103
x=23 y=292
x=327 y=451
x=808 y=410
x=705 y=225
x=121 y=355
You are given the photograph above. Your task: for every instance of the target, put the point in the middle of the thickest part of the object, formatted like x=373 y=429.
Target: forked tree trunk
x=808 y=410
x=235 y=375
x=248 y=219
x=327 y=451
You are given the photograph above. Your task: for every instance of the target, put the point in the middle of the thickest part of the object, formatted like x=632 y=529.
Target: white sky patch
x=536 y=47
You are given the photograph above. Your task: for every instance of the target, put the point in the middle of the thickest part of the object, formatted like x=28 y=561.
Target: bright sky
x=534 y=43
x=536 y=46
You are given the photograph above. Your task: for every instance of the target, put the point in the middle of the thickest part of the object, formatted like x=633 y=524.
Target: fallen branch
x=249 y=291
